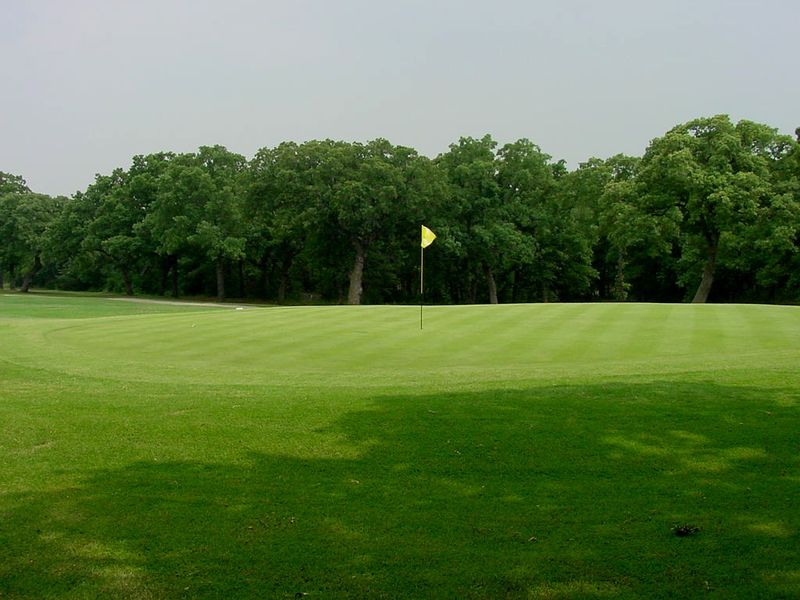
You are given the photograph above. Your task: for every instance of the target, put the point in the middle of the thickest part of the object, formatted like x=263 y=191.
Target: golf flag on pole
x=427 y=237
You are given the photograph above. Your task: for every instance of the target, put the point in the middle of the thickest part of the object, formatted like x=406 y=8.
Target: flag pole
x=421 y=282
x=426 y=240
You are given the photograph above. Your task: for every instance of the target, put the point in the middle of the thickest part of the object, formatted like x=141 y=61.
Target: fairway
x=511 y=451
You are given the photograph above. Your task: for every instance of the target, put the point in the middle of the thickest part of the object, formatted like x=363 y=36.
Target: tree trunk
x=282 y=288
x=515 y=287
x=263 y=279
x=2 y=282
x=708 y=276
x=126 y=278
x=166 y=268
x=286 y=265
x=26 y=281
x=492 y=286
x=470 y=283
x=455 y=292
x=472 y=291
x=175 y=278
x=357 y=275
x=242 y=290
x=162 y=288
x=220 y=265
x=620 y=291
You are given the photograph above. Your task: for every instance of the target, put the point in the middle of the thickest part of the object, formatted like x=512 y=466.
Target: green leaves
x=25 y=221
x=710 y=202
x=718 y=177
x=12 y=184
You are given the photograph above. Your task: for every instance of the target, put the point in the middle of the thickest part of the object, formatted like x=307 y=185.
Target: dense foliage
x=710 y=211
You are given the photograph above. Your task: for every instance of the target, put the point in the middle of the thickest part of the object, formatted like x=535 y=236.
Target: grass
x=539 y=451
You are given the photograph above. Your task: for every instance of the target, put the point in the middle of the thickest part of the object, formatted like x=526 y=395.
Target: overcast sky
x=87 y=84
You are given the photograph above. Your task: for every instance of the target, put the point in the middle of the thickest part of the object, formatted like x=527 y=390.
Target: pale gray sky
x=87 y=84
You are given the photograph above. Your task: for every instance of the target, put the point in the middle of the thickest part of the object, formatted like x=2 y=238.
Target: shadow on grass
x=559 y=492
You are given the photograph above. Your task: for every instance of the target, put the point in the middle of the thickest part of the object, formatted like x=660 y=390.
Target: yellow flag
x=427 y=237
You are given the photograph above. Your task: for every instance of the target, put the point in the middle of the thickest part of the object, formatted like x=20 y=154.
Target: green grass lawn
x=522 y=451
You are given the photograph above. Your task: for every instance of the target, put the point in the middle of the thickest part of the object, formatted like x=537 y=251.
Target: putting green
x=383 y=345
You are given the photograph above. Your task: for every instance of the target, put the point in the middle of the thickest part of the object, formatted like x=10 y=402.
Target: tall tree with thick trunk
x=9 y=184
x=717 y=175
x=601 y=222
x=503 y=223
x=283 y=202
x=370 y=194
x=198 y=210
x=220 y=230
x=25 y=219
x=469 y=230
x=110 y=233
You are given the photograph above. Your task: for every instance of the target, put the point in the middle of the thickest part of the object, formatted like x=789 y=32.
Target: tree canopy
x=710 y=211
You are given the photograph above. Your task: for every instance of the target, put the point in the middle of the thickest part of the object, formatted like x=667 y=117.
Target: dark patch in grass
x=685 y=530
x=451 y=488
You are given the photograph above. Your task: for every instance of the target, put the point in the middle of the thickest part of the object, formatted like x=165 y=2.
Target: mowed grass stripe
x=706 y=335
x=477 y=334
x=644 y=329
x=557 y=339
x=231 y=336
x=767 y=327
x=343 y=343
x=584 y=327
x=529 y=334
x=289 y=340
x=517 y=335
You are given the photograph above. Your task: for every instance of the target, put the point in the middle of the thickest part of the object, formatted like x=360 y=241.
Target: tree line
x=710 y=211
